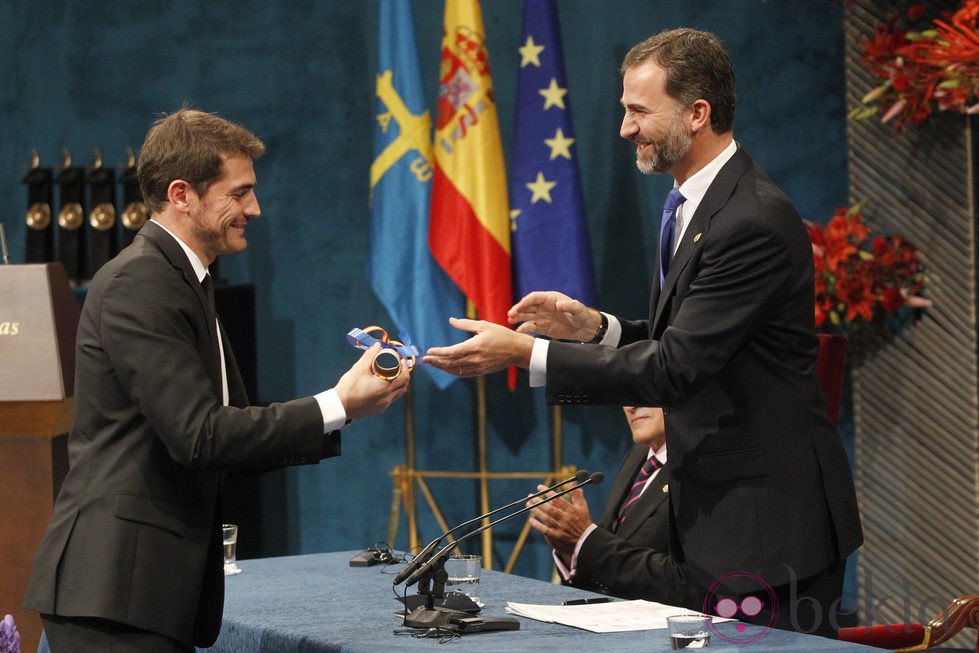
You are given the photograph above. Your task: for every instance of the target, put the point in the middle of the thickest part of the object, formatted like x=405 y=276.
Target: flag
x=469 y=232
x=417 y=293
x=551 y=250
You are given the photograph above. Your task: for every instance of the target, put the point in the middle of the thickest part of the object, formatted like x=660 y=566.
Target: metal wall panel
x=915 y=398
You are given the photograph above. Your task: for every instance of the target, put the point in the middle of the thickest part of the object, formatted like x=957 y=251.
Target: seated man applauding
x=626 y=554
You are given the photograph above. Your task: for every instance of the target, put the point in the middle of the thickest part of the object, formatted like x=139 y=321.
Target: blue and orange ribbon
x=365 y=338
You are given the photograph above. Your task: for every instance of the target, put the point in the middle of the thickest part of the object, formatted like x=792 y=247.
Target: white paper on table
x=610 y=617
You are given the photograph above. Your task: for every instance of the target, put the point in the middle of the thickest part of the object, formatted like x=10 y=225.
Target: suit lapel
x=651 y=500
x=175 y=255
x=620 y=487
x=717 y=196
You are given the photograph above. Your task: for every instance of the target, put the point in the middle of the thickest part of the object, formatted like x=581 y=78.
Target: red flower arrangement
x=926 y=65
x=861 y=280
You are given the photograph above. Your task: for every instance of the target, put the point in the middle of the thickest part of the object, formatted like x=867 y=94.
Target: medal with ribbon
x=102 y=242
x=40 y=232
x=72 y=234
x=387 y=362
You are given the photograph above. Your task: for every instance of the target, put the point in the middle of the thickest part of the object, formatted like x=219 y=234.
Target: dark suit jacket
x=634 y=562
x=759 y=479
x=135 y=535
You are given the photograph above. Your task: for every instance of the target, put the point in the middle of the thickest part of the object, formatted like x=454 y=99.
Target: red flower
x=859 y=279
x=924 y=65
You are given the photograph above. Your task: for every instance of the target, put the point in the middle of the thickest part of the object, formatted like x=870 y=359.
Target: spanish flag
x=469 y=231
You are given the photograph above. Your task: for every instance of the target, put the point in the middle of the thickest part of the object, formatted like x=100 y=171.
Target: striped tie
x=647 y=469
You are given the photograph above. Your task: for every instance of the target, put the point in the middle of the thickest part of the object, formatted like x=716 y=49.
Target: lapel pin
x=697 y=237
x=666 y=488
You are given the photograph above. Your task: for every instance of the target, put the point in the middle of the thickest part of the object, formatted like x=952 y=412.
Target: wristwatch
x=601 y=331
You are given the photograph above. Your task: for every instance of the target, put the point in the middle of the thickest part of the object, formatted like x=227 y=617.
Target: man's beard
x=665 y=154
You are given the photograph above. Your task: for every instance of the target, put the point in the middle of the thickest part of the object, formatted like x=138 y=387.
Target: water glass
x=230 y=549
x=689 y=631
x=463 y=574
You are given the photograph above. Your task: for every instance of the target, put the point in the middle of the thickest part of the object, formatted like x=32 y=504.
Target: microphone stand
x=425 y=554
x=3 y=245
x=433 y=570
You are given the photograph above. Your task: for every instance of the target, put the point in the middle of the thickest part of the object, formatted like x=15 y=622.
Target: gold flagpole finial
x=67 y=155
x=130 y=157
x=97 y=155
x=35 y=159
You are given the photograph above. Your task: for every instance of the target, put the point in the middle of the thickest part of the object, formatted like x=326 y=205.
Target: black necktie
x=647 y=469
x=208 y=285
x=666 y=232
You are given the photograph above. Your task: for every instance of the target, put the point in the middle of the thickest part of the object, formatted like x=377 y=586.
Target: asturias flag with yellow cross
x=416 y=292
x=469 y=231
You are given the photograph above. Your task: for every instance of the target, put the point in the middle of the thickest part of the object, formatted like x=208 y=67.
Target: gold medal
x=71 y=216
x=39 y=216
x=134 y=216
x=103 y=217
x=386 y=365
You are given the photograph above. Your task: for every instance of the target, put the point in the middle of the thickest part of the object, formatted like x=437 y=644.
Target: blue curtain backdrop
x=301 y=74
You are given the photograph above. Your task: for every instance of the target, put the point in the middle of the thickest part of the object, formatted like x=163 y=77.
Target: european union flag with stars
x=550 y=243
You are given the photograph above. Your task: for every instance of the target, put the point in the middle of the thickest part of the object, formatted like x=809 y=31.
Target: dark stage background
x=301 y=74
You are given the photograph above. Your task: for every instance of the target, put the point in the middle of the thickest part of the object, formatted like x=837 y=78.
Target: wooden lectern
x=38 y=319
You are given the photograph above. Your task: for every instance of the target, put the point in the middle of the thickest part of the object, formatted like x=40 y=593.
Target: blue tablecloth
x=318 y=603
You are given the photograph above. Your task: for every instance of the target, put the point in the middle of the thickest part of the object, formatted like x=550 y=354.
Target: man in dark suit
x=759 y=482
x=132 y=559
x=626 y=553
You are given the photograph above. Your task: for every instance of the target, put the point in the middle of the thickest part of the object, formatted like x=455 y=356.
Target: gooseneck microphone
x=438 y=559
x=425 y=554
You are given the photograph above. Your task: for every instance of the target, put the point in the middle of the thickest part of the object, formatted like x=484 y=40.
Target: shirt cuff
x=577 y=548
x=538 y=356
x=566 y=573
x=334 y=415
x=538 y=363
x=614 y=332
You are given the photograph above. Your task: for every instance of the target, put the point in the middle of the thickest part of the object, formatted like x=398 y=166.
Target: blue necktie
x=666 y=231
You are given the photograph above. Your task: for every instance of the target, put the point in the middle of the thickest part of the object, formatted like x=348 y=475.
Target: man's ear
x=699 y=115
x=178 y=195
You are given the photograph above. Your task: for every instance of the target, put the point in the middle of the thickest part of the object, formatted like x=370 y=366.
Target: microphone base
x=424 y=617
x=454 y=600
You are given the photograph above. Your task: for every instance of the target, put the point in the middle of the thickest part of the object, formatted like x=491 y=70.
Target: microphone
x=425 y=554
x=424 y=568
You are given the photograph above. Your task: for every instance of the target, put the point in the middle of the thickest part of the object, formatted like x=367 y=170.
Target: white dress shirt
x=334 y=415
x=693 y=190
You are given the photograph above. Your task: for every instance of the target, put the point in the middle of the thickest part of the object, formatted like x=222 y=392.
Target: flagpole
x=401 y=180
x=409 y=497
x=483 y=462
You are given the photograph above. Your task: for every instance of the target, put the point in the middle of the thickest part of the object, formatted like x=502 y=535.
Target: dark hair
x=697 y=67
x=189 y=144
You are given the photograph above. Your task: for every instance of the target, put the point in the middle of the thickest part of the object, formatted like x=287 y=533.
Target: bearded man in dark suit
x=132 y=559
x=761 y=494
